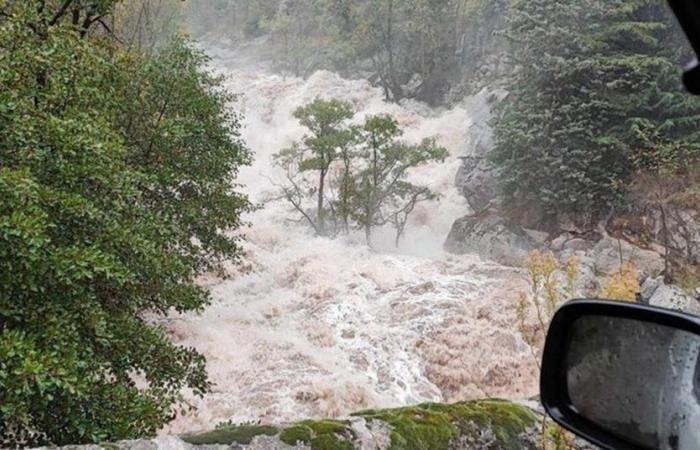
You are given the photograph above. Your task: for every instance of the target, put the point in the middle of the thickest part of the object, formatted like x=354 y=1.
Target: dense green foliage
x=115 y=192
x=597 y=99
x=360 y=172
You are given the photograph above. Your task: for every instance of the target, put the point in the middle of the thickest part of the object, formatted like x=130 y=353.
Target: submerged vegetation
x=365 y=169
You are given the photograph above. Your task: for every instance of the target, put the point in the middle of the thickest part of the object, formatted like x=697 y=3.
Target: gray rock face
x=491 y=237
x=477 y=177
x=656 y=293
x=609 y=253
x=684 y=232
x=477 y=181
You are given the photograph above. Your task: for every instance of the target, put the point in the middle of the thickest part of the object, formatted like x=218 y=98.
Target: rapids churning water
x=311 y=326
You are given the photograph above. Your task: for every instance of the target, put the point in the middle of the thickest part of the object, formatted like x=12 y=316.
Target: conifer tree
x=598 y=86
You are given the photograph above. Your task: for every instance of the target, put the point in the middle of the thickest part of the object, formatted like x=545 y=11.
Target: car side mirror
x=688 y=14
x=624 y=376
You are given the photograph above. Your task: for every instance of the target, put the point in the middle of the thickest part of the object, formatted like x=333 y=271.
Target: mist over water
x=311 y=326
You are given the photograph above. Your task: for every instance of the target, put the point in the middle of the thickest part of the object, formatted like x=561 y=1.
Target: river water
x=311 y=326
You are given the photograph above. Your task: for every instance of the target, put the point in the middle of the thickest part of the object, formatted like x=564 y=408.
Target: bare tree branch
x=294 y=196
x=60 y=12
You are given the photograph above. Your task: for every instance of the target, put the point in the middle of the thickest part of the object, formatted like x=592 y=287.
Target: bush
x=623 y=285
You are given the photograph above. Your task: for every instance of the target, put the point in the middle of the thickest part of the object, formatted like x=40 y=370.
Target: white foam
x=314 y=326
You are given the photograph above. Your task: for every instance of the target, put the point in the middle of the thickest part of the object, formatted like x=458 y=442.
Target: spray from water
x=311 y=326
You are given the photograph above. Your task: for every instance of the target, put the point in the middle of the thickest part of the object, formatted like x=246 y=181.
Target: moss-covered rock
x=320 y=434
x=295 y=434
x=494 y=424
x=478 y=425
x=231 y=434
x=331 y=442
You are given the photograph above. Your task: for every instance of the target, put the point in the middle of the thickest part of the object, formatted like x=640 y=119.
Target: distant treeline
x=421 y=49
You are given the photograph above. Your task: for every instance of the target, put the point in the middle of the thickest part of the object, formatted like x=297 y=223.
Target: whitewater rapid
x=310 y=326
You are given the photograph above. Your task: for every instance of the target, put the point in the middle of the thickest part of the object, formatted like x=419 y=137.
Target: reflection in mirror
x=638 y=380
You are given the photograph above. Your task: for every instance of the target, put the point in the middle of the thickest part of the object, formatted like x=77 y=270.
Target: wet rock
x=491 y=237
x=477 y=178
x=683 y=227
x=412 y=88
x=477 y=181
x=568 y=242
x=609 y=254
x=656 y=293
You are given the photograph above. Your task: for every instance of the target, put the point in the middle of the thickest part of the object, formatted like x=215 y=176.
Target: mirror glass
x=638 y=380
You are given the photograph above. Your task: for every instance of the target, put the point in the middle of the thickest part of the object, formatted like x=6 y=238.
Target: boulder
x=656 y=293
x=609 y=253
x=683 y=232
x=477 y=178
x=491 y=237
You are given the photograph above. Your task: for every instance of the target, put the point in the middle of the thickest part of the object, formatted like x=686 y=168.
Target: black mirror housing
x=556 y=372
x=688 y=14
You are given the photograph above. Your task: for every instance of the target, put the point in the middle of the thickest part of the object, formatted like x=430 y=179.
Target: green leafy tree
x=598 y=82
x=329 y=138
x=383 y=195
x=115 y=194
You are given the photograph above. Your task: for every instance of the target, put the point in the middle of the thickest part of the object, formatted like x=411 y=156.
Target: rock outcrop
x=656 y=293
x=477 y=176
x=477 y=425
x=490 y=236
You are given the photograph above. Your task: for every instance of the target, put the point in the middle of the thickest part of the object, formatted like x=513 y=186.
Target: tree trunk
x=395 y=87
x=321 y=185
x=371 y=205
x=667 y=271
x=345 y=197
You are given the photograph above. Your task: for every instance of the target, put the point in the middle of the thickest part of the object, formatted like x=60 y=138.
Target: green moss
x=295 y=434
x=435 y=425
x=327 y=426
x=416 y=428
x=506 y=420
x=330 y=442
x=429 y=426
x=227 y=435
x=320 y=434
